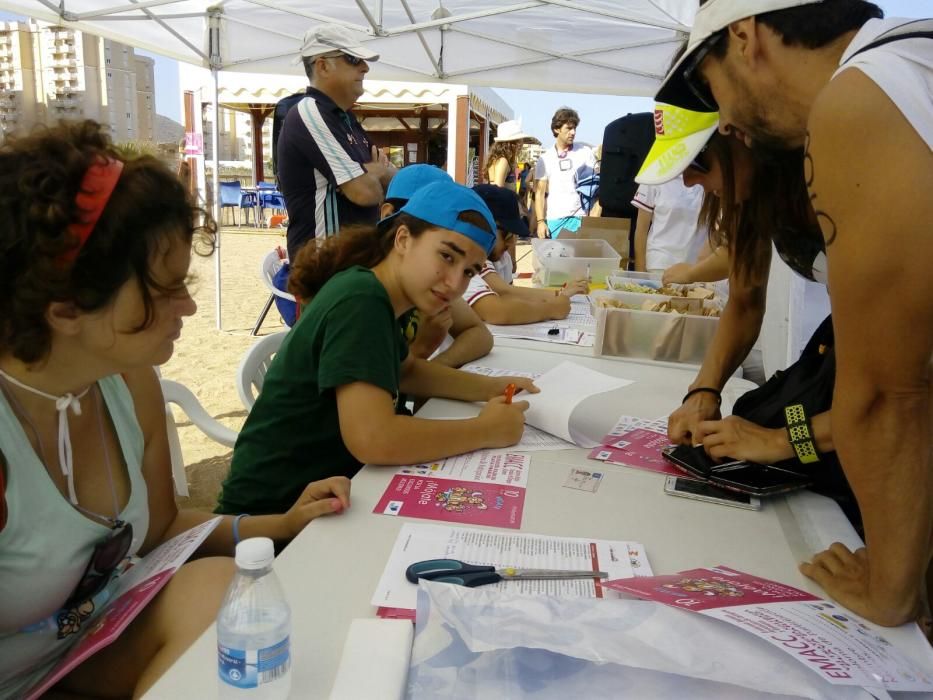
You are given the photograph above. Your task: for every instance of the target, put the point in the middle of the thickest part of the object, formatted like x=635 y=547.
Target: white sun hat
x=510 y=131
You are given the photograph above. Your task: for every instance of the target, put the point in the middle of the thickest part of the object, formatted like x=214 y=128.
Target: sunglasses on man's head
x=105 y=559
x=700 y=89
x=352 y=60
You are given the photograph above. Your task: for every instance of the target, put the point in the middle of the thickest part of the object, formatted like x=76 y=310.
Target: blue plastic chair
x=269 y=198
x=250 y=202
x=231 y=195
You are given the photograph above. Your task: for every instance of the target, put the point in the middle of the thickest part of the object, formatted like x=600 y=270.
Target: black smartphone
x=738 y=475
x=694 y=460
x=760 y=479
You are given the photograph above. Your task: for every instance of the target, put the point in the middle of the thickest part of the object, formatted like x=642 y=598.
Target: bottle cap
x=255 y=553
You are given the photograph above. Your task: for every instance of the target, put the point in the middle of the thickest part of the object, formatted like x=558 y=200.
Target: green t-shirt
x=348 y=333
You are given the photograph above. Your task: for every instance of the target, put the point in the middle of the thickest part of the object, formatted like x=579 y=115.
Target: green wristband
x=800 y=433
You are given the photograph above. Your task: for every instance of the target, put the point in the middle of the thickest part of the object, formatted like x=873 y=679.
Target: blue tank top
x=46 y=545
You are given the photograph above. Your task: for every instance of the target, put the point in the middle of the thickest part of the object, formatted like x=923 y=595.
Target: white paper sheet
x=545 y=331
x=500 y=548
x=564 y=389
x=497 y=372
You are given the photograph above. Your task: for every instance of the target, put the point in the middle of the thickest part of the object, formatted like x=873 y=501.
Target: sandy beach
x=206 y=359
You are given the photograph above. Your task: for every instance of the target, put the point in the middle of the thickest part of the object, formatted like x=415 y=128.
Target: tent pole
x=216 y=62
x=215 y=147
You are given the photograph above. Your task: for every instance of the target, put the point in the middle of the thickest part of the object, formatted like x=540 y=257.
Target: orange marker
x=509 y=393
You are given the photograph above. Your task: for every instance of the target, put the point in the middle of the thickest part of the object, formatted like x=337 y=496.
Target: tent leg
x=215 y=143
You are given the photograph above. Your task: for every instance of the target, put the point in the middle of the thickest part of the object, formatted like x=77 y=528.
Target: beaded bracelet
x=800 y=433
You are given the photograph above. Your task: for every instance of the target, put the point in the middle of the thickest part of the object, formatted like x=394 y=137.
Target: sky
x=534 y=107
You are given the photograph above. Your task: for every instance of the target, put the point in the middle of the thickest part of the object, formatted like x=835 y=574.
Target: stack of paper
x=636 y=442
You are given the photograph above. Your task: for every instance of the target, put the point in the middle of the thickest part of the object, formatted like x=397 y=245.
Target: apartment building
x=235 y=137
x=48 y=73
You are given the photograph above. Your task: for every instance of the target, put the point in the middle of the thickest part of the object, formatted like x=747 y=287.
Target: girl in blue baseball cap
x=328 y=401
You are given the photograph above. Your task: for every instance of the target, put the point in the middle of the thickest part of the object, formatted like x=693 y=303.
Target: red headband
x=97 y=185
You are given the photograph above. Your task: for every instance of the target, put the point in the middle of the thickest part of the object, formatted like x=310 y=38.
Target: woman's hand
x=741 y=439
x=503 y=423
x=576 y=287
x=325 y=497
x=498 y=385
x=677 y=274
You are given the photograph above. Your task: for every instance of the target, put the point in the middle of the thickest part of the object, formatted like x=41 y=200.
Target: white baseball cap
x=678 y=88
x=326 y=38
x=510 y=131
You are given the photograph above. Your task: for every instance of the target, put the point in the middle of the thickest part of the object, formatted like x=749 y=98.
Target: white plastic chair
x=181 y=396
x=253 y=366
x=269 y=267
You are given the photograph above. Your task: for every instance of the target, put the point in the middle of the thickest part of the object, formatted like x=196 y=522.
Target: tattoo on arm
x=827 y=224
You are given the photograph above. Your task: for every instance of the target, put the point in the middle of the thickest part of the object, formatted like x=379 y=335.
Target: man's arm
x=472 y=339
x=369 y=188
x=874 y=207
x=540 y=206
x=738 y=329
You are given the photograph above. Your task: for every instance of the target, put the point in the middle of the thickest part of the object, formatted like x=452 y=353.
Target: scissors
x=471 y=575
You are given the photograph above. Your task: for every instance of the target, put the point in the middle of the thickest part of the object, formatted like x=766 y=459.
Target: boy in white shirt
x=495 y=300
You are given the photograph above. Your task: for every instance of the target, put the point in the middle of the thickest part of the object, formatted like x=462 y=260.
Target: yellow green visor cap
x=679 y=136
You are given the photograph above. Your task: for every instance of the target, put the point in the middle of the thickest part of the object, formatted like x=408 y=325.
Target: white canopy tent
x=598 y=46
x=601 y=46
x=619 y=47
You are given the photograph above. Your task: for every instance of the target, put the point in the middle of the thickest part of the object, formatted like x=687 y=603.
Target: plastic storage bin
x=560 y=261
x=651 y=335
x=648 y=279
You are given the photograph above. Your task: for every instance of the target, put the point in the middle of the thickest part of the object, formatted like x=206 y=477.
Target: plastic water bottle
x=253 y=628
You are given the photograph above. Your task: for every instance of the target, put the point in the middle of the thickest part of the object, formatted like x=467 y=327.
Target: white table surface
x=331 y=569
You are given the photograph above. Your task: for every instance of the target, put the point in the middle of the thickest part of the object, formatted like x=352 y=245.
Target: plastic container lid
x=255 y=553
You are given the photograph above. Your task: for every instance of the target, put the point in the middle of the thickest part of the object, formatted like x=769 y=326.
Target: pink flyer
x=137 y=585
x=705 y=589
x=479 y=488
x=639 y=448
x=828 y=639
x=450 y=500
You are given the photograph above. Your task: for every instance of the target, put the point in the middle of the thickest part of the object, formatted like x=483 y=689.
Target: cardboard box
x=614 y=231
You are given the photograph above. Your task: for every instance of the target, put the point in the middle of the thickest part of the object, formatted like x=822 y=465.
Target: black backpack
x=626 y=142
x=278 y=119
x=809 y=381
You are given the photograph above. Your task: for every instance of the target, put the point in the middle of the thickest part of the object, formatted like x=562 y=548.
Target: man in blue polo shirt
x=328 y=171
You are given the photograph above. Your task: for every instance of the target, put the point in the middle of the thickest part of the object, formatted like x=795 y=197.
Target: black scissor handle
x=451 y=571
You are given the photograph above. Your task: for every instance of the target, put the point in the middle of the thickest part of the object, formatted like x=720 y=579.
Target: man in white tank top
x=800 y=73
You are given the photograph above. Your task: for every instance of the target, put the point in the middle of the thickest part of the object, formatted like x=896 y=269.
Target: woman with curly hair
x=94 y=256
x=501 y=170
